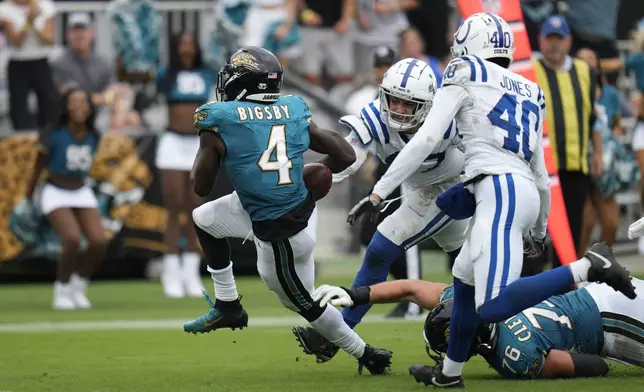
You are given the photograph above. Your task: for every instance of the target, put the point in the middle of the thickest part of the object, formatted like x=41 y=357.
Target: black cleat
x=313 y=343
x=376 y=360
x=605 y=269
x=432 y=375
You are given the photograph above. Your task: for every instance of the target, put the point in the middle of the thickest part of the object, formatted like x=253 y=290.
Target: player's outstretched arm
x=424 y=294
x=563 y=364
x=340 y=154
x=447 y=103
x=203 y=175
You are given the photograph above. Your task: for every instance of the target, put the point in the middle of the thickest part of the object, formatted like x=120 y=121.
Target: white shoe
x=63 y=297
x=79 y=289
x=171 y=278
x=190 y=274
x=640 y=246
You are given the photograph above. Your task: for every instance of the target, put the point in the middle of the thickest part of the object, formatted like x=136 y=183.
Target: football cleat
x=376 y=360
x=604 y=268
x=313 y=343
x=232 y=315
x=432 y=375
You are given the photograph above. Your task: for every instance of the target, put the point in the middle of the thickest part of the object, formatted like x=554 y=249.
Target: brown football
x=317 y=178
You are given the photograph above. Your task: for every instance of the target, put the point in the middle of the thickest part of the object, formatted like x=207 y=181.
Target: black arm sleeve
x=589 y=365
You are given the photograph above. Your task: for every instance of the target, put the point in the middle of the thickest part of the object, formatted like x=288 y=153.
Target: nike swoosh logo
x=438 y=384
x=607 y=263
x=206 y=324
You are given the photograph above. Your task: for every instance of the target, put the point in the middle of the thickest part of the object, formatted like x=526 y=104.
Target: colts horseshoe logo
x=467 y=32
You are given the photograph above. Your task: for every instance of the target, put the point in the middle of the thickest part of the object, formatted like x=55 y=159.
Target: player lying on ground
x=506 y=194
x=259 y=139
x=564 y=336
x=385 y=126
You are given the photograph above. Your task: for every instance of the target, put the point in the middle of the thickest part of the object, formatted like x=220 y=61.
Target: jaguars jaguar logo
x=447 y=333
x=200 y=116
x=245 y=60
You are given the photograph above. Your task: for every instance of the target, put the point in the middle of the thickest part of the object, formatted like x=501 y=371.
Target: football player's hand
x=534 y=249
x=636 y=229
x=336 y=296
x=370 y=205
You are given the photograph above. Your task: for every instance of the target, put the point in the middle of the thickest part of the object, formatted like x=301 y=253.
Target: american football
x=317 y=178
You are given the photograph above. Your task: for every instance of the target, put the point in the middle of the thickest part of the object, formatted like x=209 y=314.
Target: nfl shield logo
x=492 y=6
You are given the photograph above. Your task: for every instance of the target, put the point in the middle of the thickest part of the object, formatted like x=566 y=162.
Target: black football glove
x=369 y=206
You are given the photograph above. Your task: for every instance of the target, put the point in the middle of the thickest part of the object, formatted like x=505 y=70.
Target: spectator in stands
x=569 y=88
x=635 y=63
x=383 y=58
x=325 y=29
x=186 y=84
x=434 y=20
x=80 y=65
x=535 y=12
x=68 y=146
x=594 y=25
x=271 y=24
x=412 y=45
x=29 y=28
x=601 y=201
x=380 y=22
x=610 y=95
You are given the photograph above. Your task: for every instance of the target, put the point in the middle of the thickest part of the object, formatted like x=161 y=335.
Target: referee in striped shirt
x=569 y=88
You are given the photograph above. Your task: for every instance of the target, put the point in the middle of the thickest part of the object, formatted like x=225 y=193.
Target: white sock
x=224 y=281
x=579 y=269
x=191 y=262
x=451 y=368
x=171 y=264
x=331 y=325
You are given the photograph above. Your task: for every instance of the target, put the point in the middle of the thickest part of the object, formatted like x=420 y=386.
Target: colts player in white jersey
x=383 y=128
x=499 y=115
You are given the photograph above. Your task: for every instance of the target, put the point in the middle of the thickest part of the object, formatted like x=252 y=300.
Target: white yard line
x=177 y=324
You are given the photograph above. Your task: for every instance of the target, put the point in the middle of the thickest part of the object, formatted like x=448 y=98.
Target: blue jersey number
x=518 y=134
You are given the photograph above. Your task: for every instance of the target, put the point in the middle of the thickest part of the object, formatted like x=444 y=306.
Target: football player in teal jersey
x=258 y=137
x=563 y=337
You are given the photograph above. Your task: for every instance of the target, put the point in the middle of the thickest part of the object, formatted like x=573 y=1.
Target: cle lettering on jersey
x=267 y=112
x=516 y=87
x=518 y=328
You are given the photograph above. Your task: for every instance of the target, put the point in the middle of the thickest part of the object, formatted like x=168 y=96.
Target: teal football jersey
x=570 y=322
x=265 y=144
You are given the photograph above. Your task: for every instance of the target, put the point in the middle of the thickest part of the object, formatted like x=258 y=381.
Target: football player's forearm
x=422 y=293
x=204 y=172
x=340 y=154
x=361 y=156
x=407 y=162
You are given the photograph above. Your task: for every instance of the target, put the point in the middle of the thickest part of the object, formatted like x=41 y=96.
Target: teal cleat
x=221 y=315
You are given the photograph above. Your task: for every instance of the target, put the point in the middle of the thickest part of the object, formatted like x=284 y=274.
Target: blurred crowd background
x=334 y=52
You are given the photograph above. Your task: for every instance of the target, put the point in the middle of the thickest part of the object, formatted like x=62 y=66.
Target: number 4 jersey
x=265 y=144
x=500 y=118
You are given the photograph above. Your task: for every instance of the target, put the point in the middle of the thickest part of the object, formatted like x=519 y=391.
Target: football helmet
x=486 y=36
x=436 y=333
x=250 y=74
x=406 y=94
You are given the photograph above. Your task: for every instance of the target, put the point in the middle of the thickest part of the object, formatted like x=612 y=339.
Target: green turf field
x=133 y=341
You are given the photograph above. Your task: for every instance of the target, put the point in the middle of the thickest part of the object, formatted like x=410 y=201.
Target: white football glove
x=336 y=296
x=636 y=229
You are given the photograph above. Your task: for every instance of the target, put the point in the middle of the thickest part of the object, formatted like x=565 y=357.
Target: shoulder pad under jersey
x=358 y=126
x=465 y=70
x=212 y=115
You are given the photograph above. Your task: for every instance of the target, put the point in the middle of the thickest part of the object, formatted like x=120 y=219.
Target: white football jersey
x=444 y=163
x=500 y=121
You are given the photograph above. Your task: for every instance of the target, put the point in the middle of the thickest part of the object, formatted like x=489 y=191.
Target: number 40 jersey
x=502 y=128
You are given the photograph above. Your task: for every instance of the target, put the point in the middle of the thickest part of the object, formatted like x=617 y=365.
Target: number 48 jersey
x=502 y=128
